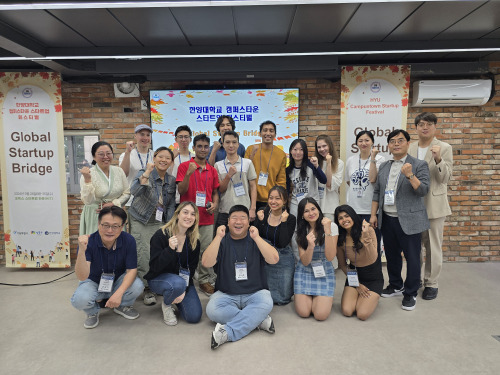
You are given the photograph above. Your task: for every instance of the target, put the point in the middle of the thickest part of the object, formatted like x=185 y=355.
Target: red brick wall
x=471 y=233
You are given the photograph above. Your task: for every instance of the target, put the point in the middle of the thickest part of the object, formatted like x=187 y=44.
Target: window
x=77 y=152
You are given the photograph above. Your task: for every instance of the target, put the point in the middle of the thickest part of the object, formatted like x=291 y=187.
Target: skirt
x=280 y=277
x=370 y=276
x=306 y=283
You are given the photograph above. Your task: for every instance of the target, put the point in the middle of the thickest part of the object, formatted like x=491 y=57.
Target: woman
x=334 y=169
x=277 y=226
x=361 y=173
x=303 y=176
x=103 y=185
x=153 y=205
x=358 y=243
x=314 y=281
x=175 y=249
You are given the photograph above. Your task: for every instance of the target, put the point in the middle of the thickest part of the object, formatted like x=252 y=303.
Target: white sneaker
x=219 y=336
x=168 y=314
x=149 y=298
x=267 y=325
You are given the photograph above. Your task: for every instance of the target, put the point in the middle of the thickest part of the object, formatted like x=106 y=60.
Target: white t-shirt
x=178 y=161
x=360 y=191
x=137 y=162
x=329 y=197
x=421 y=152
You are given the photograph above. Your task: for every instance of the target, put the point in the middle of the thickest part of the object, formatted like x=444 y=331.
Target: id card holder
x=262 y=179
x=300 y=196
x=240 y=270
x=239 y=190
x=201 y=197
x=321 y=191
x=389 y=198
x=184 y=273
x=352 y=278
x=106 y=283
x=159 y=214
x=359 y=193
x=318 y=269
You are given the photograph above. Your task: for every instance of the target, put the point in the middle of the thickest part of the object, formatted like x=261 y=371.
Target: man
x=269 y=162
x=182 y=154
x=217 y=150
x=242 y=301
x=198 y=182
x=439 y=157
x=398 y=192
x=237 y=179
x=136 y=157
x=106 y=266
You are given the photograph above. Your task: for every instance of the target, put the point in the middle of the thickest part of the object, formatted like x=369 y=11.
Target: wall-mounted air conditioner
x=451 y=93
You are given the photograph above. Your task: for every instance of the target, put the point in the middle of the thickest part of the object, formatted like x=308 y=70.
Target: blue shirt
x=221 y=153
x=122 y=258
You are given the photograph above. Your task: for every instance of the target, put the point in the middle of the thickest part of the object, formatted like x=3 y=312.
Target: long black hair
x=356 y=227
x=303 y=226
x=305 y=159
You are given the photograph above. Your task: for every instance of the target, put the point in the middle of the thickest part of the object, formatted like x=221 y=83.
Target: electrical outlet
x=144 y=105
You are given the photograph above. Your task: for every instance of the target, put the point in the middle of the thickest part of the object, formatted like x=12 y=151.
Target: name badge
x=352 y=278
x=389 y=198
x=184 y=273
x=159 y=214
x=300 y=196
x=359 y=193
x=262 y=179
x=240 y=269
x=201 y=197
x=318 y=269
x=321 y=191
x=239 y=190
x=106 y=283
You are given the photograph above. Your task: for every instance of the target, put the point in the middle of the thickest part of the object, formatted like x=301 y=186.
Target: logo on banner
x=28 y=92
x=375 y=86
x=156 y=97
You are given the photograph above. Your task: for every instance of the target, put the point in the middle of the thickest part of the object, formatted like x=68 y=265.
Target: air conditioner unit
x=451 y=93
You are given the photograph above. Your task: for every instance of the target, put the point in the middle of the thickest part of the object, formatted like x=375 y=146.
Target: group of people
x=255 y=232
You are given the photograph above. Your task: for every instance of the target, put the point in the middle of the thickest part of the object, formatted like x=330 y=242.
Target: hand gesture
x=406 y=169
x=373 y=221
x=365 y=226
x=284 y=216
x=173 y=242
x=327 y=223
x=176 y=152
x=114 y=301
x=363 y=291
x=311 y=239
x=436 y=153
x=374 y=153
x=85 y=171
x=192 y=167
x=232 y=171
x=212 y=208
x=260 y=215
x=251 y=214
x=221 y=231
x=254 y=232
x=328 y=158
x=216 y=146
x=129 y=146
x=314 y=161
x=83 y=242
x=254 y=151
x=150 y=167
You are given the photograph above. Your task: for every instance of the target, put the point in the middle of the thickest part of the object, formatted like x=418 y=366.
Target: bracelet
x=329 y=234
x=144 y=176
x=372 y=161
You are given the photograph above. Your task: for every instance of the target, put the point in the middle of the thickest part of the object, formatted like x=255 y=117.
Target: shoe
x=392 y=292
x=219 y=336
x=127 y=312
x=207 y=288
x=409 y=303
x=149 y=298
x=102 y=303
x=168 y=314
x=429 y=293
x=92 y=321
x=267 y=325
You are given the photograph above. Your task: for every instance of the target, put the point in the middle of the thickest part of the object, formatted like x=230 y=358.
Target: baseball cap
x=140 y=127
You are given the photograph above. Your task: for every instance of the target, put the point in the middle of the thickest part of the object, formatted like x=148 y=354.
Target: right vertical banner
x=373 y=98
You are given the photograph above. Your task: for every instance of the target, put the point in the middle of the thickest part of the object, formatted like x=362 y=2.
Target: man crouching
x=242 y=301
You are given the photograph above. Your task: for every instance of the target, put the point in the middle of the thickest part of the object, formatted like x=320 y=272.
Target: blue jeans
x=280 y=277
x=171 y=286
x=86 y=294
x=241 y=314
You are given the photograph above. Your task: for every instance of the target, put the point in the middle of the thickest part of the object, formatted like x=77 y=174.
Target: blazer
x=409 y=202
x=436 y=202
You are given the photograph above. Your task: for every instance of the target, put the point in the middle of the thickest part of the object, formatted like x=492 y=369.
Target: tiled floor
x=41 y=333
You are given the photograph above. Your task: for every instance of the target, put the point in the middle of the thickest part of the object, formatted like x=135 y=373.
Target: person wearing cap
x=136 y=156
x=217 y=151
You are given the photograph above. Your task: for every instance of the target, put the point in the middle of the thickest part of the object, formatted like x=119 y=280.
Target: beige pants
x=432 y=241
x=205 y=275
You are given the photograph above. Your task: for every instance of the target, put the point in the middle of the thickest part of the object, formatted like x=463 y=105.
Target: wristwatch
x=410 y=176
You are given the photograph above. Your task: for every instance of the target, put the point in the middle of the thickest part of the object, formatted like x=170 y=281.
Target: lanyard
x=246 y=250
x=102 y=262
x=165 y=179
x=241 y=171
x=270 y=157
x=397 y=179
x=201 y=178
x=140 y=159
x=364 y=166
x=187 y=254
x=345 y=253
x=275 y=228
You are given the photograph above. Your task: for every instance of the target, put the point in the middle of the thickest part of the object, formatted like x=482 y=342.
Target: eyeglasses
x=107 y=154
x=183 y=137
x=423 y=124
x=399 y=141
x=113 y=227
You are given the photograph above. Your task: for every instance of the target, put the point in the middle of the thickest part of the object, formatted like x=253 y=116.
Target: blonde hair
x=192 y=233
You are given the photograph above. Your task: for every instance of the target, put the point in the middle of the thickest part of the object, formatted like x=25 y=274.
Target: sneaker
x=267 y=325
x=168 y=314
x=429 y=293
x=392 y=292
x=127 y=312
x=207 y=288
x=92 y=321
x=219 y=336
x=409 y=303
x=149 y=298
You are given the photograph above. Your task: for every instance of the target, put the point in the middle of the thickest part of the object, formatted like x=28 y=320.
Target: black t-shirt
x=232 y=251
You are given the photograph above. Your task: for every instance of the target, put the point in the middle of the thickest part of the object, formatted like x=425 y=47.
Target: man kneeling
x=242 y=301
x=107 y=269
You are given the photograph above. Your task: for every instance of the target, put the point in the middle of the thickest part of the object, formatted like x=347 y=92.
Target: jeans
x=171 y=286
x=86 y=294
x=240 y=314
x=280 y=277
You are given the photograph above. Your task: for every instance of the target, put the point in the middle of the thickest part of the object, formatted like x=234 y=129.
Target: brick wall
x=472 y=233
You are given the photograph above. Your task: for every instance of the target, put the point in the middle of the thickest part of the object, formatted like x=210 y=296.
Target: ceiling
x=245 y=39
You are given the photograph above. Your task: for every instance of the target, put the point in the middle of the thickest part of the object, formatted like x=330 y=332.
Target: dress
x=305 y=282
x=99 y=191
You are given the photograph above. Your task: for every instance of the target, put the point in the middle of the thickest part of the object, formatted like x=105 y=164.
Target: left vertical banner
x=35 y=207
